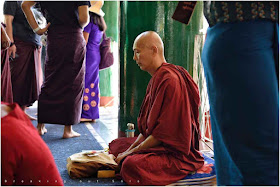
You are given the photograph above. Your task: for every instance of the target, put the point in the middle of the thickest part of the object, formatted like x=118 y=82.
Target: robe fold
x=169 y=113
x=6 y=84
x=26 y=73
x=60 y=101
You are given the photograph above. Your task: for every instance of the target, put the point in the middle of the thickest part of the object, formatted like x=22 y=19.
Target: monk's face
x=142 y=55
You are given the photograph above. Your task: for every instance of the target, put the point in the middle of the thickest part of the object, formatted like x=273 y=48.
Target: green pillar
x=137 y=17
x=106 y=76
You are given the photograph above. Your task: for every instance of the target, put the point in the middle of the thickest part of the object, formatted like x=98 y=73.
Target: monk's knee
x=130 y=171
x=128 y=164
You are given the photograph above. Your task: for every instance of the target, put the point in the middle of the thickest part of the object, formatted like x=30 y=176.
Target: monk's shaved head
x=150 y=39
x=148 y=51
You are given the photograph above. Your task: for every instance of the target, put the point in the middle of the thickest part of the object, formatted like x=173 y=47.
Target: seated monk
x=166 y=149
x=25 y=158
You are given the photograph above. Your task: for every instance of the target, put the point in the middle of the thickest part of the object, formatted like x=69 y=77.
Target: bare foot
x=41 y=129
x=45 y=130
x=30 y=117
x=69 y=132
x=85 y=120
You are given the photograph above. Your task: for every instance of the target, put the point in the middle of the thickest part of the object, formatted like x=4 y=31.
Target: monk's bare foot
x=94 y=121
x=41 y=129
x=69 y=132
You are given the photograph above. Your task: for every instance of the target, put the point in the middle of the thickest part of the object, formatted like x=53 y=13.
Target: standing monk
x=60 y=100
x=166 y=149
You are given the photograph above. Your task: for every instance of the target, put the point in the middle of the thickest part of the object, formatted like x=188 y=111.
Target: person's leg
x=243 y=95
x=30 y=117
x=24 y=110
x=69 y=132
x=226 y=170
x=41 y=128
x=276 y=50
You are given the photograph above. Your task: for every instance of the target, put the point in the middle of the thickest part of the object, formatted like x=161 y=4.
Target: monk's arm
x=26 y=8
x=139 y=139
x=149 y=142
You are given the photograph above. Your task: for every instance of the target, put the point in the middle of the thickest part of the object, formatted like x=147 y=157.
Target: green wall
x=135 y=18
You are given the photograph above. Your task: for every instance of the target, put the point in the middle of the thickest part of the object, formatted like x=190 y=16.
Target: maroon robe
x=25 y=157
x=60 y=101
x=26 y=73
x=169 y=112
x=6 y=84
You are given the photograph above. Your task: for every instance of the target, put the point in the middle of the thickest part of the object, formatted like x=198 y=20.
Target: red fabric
x=169 y=112
x=120 y=145
x=6 y=84
x=25 y=157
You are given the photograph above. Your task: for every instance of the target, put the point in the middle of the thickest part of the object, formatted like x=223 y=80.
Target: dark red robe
x=6 y=84
x=60 y=100
x=25 y=157
x=26 y=73
x=169 y=112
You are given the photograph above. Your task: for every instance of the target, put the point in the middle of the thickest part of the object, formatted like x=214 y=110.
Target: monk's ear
x=155 y=49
